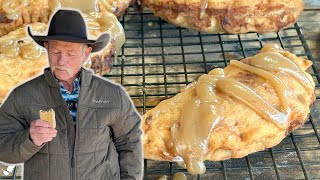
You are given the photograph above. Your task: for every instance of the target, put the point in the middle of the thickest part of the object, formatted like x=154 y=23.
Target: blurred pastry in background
x=16 y=13
x=20 y=58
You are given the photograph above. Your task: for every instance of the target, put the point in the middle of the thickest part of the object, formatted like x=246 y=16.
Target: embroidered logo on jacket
x=101 y=101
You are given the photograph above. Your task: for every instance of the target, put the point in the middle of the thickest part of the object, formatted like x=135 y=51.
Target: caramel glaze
x=20 y=46
x=12 y=8
x=179 y=176
x=199 y=116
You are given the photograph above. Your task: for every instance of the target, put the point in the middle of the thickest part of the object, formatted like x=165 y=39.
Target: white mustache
x=62 y=68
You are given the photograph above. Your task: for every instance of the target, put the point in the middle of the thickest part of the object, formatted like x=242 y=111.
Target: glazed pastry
x=246 y=107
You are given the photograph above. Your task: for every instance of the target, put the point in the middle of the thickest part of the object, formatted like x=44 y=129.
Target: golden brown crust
x=27 y=17
x=12 y=62
x=39 y=11
x=35 y=11
x=241 y=131
x=119 y=6
x=101 y=63
x=49 y=116
x=229 y=16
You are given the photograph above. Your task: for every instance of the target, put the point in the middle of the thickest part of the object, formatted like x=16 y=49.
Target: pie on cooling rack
x=232 y=16
x=246 y=107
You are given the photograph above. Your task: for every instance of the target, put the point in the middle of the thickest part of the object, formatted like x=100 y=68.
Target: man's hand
x=41 y=132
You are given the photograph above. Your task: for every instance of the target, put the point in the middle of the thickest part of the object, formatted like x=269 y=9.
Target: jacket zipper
x=72 y=162
x=73 y=173
x=74 y=150
x=73 y=159
x=69 y=118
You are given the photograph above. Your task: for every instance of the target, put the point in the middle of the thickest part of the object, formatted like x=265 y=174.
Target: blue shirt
x=71 y=96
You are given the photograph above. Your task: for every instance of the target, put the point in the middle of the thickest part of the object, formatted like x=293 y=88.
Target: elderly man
x=97 y=134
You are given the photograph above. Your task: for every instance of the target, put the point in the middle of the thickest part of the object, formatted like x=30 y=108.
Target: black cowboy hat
x=69 y=25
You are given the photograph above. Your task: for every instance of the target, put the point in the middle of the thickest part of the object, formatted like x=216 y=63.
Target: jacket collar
x=86 y=77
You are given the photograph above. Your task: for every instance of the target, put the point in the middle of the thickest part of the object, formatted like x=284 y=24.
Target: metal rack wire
x=159 y=59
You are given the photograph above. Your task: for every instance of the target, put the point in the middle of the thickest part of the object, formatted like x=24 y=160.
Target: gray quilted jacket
x=105 y=144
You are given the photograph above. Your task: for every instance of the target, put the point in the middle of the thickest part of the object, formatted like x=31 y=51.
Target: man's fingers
x=48 y=139
x=41 y=132
x=44 y=130
x=40 y=123
x=44 y=136
x=39 y=138
x=44 y=140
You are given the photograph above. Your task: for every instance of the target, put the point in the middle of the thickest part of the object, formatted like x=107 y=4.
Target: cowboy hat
x=69 y=25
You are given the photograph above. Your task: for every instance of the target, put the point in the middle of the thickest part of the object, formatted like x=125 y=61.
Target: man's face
x=66 y=58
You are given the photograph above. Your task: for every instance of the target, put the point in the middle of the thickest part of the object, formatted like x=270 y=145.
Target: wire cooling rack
x=160 y=59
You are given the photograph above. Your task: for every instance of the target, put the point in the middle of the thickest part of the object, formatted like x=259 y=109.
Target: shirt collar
x=76 y=83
